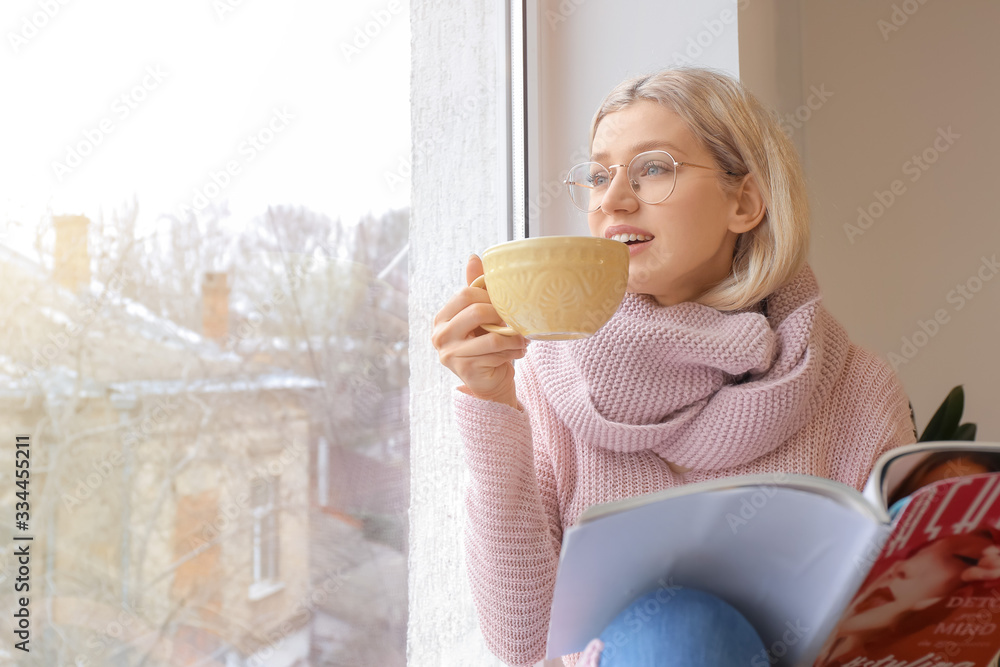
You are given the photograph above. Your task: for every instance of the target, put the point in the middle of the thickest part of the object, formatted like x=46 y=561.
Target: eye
x=598 y=179
x=654 y=168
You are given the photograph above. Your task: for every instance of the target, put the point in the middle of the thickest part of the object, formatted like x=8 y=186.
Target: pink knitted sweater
x=720 y=394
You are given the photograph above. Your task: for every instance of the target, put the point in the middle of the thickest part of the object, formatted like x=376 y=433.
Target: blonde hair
x=744 y=138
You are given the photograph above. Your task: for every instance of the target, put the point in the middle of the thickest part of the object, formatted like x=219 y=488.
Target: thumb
x=473 y=268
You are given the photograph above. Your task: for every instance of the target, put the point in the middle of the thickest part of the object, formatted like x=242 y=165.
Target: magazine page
x=893 y=468
x=932 y=597
x=783 y=556
x=836 y=491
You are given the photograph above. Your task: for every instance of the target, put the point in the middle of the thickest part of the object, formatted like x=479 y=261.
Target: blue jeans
x=680 y=627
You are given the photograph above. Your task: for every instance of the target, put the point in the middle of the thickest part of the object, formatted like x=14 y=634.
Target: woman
x=915 y=592
x=719 y=362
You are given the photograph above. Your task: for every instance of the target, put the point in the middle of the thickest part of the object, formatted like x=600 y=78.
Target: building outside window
x=204 y=331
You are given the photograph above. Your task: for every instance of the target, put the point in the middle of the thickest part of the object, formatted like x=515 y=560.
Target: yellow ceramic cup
x=555 y=287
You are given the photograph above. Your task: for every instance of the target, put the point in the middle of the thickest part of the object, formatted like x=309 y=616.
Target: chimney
x=215 y=306
x=72 y=260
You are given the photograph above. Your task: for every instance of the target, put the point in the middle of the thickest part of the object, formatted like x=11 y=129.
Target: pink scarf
x=702 y=388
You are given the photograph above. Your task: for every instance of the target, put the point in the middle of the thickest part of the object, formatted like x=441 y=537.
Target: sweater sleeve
x=880 y=418
x=513 y=531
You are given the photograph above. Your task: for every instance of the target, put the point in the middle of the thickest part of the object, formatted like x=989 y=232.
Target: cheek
x=700 y=212
x=702 y=231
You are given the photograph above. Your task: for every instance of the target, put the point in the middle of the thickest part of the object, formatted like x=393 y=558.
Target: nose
x=619 y=195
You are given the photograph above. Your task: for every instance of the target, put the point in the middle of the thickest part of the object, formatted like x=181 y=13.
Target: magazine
x=822 y=572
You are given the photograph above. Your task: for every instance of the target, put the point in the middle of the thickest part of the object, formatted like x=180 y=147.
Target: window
x=203 y=298
x=323 y=472
x=264 y=493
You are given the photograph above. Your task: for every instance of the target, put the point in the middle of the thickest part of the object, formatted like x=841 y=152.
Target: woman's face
x=692 y=233
x=931 y=573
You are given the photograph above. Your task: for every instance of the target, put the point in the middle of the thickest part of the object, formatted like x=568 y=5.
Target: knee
x=678 y=619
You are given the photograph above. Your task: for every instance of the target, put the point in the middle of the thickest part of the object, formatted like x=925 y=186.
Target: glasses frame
x=631 y=184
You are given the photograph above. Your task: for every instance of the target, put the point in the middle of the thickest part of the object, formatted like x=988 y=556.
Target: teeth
x=631 y=237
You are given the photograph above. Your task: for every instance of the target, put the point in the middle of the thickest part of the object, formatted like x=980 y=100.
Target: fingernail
x=471 y=256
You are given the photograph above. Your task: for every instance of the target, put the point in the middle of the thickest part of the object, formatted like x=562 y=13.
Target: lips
x=877 y=598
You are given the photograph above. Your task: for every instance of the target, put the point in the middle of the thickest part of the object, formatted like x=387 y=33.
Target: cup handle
x=480 y=282
x=503 y=331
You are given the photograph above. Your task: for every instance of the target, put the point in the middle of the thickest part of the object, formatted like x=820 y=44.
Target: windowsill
x=263 y=589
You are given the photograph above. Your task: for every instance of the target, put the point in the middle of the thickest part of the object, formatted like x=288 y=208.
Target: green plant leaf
x=944 y=423
x=965 y=432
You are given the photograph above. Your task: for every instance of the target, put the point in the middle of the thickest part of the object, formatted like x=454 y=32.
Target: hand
x=988 y=568
x=482 y=361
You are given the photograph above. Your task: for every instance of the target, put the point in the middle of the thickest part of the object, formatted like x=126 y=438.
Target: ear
x=748 y=206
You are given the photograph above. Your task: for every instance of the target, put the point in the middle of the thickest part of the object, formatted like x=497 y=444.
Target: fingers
x=474 y=316
x=473 y=268
x=457 y=336
x=490 y=343
x=977 y=573
x=494 y=361
x=462 y=299
x=481 y=359
x=988 y=567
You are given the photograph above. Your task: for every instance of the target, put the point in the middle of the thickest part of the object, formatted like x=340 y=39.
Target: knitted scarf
x=702 y=388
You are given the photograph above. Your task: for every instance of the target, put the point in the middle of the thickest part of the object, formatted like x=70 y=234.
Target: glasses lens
x=652 y=176
x=587 y=184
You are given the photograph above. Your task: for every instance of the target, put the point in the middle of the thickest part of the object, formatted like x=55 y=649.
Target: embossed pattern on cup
x=557 y=287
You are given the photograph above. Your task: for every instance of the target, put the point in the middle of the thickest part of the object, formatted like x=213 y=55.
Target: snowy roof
x=92 y=344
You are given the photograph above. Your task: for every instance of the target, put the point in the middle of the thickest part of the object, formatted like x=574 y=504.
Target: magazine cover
x=932 y=598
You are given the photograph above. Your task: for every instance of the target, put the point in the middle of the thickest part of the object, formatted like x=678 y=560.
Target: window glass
x=203 y=332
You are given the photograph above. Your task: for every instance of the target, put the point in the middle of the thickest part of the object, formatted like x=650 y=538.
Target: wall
x=584 y=49
x=907 y=134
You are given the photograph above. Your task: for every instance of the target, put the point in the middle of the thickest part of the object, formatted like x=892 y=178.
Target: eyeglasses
x=651 y=175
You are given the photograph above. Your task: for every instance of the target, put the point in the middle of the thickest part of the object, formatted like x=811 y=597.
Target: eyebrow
x=642 y=148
